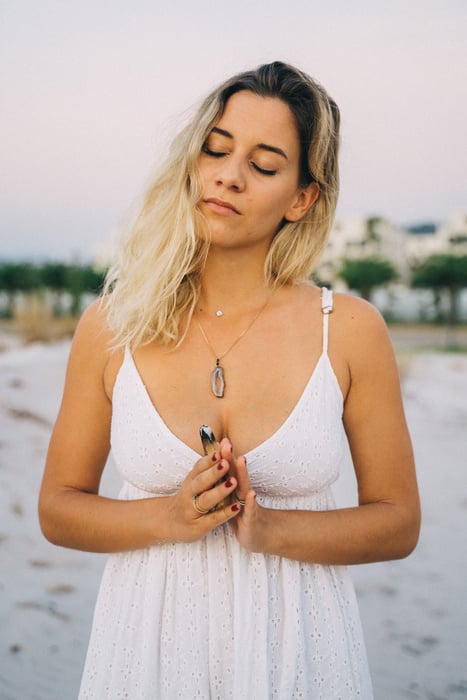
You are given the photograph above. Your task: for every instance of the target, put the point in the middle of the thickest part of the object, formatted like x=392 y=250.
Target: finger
x=215 y=505
x=227 y=452
x=226 y=449
x=250 y=500
x=215 y=494
x=205 y=523
x=249 y=510
x=243 y=478
x=208 y=478
x=205 y=466
x=205 y=463
x=223 y=515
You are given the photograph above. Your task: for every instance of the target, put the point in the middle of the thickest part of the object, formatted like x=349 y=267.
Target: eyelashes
x=220 y=154
x=263 y=171
x=213 y=154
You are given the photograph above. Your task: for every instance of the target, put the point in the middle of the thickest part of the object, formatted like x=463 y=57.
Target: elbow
x=407 y=535
x=397 y=534
x=49 y=526
x=45 y=522
x=406 y=546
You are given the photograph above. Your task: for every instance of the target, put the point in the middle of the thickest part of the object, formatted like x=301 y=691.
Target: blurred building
x=403 y=247
x=361 y=237
x=428 y=239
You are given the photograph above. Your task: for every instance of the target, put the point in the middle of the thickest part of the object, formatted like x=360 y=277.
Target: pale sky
x=92 y=90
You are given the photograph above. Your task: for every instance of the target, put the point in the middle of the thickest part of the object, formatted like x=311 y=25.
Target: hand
x=250 y=527
x=192 y=519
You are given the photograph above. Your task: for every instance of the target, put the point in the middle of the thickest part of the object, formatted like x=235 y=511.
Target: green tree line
x=440 y=273
x=64 y=282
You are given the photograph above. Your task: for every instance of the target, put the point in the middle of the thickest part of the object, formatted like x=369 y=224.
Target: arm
x=71 y=512
x=386 y=523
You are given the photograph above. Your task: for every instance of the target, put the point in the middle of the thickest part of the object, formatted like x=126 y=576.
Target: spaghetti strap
x=326 y=308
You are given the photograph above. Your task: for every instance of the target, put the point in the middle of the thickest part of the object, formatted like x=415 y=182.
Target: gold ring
x=197 y=507
x=239 y=500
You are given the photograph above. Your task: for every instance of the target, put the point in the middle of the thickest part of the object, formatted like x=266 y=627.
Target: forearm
x=368 y=533
x=81 y=519
x=86 y=521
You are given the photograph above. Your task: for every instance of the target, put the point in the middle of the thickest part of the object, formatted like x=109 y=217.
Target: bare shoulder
x=93 y=335
x=351 y=314
x=91 y=351
x=354 y=309
x=360 y=338
x=358 y=320
x=93 y=326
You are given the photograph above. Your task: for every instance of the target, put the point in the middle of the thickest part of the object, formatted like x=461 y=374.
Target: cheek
x=201 y=177
x=204 y=173
x=278 y=204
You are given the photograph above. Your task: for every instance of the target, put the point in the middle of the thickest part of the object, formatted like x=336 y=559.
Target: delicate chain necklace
x=217 y=374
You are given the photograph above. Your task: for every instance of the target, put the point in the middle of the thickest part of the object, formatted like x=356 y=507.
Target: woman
x=227 y=577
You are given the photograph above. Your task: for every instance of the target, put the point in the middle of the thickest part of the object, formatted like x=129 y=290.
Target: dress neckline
x=322 y=360
x=326 y=307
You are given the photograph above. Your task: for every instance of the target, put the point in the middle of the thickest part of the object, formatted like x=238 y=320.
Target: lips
x=220 y=205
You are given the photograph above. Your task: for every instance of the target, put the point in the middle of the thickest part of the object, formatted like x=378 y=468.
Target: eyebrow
x=263 y=146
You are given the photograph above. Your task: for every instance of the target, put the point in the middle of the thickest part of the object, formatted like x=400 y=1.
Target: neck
x=232 y=286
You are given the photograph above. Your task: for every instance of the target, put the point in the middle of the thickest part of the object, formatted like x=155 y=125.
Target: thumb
x=250 y=504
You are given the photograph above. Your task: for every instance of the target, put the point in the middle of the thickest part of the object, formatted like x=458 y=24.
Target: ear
x=304 y=200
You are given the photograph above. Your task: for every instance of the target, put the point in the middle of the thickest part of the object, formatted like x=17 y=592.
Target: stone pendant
x=217 y=381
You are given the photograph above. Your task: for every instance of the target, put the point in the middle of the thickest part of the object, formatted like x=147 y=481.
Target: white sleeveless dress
x=208 y=619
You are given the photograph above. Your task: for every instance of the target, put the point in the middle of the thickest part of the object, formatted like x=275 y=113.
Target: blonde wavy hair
x=157 y=278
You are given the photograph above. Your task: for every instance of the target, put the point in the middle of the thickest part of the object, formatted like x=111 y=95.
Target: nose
x=231 y=174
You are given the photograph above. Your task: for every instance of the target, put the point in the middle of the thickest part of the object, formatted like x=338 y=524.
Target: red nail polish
x=220 y=466
x=228 y=483
x=214 y=457
x=235 y=507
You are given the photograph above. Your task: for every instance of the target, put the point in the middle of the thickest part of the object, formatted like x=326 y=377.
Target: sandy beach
x=414 y=611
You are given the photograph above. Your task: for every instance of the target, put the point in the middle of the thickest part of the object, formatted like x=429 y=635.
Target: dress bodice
x=300 y=458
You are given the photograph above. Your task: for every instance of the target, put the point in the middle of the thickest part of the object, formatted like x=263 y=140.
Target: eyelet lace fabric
x=208 y=619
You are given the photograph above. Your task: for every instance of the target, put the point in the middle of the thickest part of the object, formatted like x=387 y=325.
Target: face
x=249 y=171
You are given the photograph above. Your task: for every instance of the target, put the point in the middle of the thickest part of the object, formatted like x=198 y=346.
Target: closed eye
x=213 y=154
x=220 y=154
x=263 y=171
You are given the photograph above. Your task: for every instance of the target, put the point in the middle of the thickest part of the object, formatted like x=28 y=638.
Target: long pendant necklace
x=217 y=374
